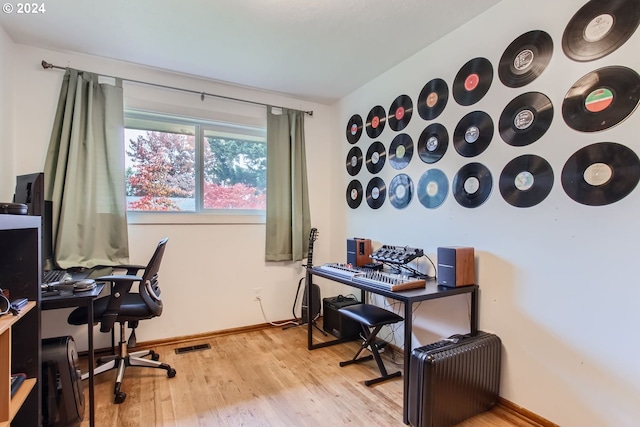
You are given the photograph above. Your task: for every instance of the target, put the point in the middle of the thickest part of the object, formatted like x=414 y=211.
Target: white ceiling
x=318 y=50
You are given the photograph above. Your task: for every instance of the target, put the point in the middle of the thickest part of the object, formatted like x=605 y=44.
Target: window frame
x=134 y=118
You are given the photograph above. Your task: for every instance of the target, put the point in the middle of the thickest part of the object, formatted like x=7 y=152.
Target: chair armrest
x=111 y=313
x=131 y=268
x=121 y=285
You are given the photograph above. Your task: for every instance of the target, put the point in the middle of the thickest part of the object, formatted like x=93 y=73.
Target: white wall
x=6 y=115
x=210 y=267
x=557 y=280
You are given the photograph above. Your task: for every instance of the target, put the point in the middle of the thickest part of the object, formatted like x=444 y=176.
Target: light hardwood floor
x=265 y=377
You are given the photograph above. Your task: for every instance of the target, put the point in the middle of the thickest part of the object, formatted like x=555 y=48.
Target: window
x=176 y=164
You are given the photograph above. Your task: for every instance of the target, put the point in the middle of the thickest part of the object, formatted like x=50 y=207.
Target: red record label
x=471 y=82
x=375 y=122
x=399 y=113
x=432 y=99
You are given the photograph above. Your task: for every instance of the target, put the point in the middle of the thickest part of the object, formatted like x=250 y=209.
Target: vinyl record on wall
x=376 y=192
x=376 y=156
x=354 y=194
x=473 y=81
x=400 y=112
x=601 y=173
x=473 y=133
x=354 y=129
x=400 y=191
x=601 y=99
x=599 y=28
x=432 y=99
x=525 y=119
x=433 y=188
x=354 y=161
x=472 y=185
x=433 y=143
x=525 y=58
x=400 y=151
x=526 y=181
x=375 y=121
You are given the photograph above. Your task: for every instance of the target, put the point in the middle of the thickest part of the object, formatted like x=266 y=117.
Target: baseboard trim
x=189 y=338
x=525 y=413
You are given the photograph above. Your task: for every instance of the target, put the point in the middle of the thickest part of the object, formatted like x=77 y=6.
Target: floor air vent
x=192 y=348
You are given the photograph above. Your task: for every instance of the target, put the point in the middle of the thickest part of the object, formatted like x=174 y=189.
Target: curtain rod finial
x=46 y=65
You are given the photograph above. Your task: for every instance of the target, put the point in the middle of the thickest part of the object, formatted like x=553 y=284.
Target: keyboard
x=50 y=276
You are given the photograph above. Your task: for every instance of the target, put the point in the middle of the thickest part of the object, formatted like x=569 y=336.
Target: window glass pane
x=168 y=171
x=160 y=168
x=235 y=171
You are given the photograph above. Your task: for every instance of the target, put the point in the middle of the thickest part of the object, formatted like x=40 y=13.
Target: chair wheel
x=120 y=397
x=155 y=356
x=171 y=373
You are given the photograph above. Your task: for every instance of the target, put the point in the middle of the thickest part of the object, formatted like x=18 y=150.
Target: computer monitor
x=30 y=191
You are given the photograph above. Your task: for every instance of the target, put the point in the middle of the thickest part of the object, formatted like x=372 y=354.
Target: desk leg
x=474 y=312
x=91 y=362
x=408 y=321
x=307 y=297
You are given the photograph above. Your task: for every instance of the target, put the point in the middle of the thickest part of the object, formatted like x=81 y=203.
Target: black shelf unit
x=20 y=274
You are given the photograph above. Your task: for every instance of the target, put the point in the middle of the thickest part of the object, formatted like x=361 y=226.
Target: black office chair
x=372 y=318
x=125 y=306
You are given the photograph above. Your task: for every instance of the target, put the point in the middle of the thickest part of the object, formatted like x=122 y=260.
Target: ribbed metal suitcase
x=454 y=379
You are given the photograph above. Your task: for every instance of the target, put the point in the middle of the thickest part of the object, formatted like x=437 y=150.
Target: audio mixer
x=379 y=279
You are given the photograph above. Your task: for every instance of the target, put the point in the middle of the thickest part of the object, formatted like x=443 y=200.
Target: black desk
x=67 y=299
x=408 y=297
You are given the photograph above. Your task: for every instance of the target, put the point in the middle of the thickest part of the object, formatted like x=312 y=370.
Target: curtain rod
x=46 y=65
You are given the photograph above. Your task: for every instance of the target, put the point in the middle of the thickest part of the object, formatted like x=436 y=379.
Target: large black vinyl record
x=472 y=185
x=525 y=58
x=433 y=143
x=599 y=28
x=432 y=99
x=354 y=194
x=601 y=99
x=472 y=81
x=433 y=188
x=375 y=121
x=525 y=119
x=400 y=112
x=376 y=156
x=601 y=173
x=354 y=161
x=473 y=133
x=376 y=192
x=526 y=181
x=400 y=151
x=400 y=191
x=354 y=129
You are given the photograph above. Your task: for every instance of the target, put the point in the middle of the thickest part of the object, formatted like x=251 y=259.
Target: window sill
x=168 y=218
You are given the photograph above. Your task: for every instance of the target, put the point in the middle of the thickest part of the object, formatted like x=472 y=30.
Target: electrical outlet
x=256 y=293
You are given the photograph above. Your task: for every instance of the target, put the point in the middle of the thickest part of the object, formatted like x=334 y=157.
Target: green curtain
x=85 y=173
x=288 y=220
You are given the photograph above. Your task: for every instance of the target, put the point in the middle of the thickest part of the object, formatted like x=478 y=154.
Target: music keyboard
x=342 y=270
x=378 y=279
